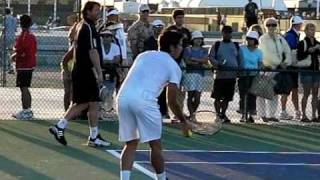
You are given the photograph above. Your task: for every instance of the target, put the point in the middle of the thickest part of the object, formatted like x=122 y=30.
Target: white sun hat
x=196 y=34
x=253 y=34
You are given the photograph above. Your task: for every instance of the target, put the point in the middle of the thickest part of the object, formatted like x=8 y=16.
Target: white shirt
x=114 y=51
x=149 y=74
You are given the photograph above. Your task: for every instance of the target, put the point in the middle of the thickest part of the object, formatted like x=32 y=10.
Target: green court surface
x=27 y=151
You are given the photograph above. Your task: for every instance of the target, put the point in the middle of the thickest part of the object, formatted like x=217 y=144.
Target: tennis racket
x=206 y=123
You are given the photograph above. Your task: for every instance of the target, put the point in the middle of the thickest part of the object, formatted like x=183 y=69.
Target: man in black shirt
x=86 y=77
x=178 y=18
x=251 y=13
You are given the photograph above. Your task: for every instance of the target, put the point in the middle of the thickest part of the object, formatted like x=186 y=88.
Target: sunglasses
x=271 y=25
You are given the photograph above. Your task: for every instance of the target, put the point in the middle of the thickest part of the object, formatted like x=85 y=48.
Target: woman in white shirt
x=110 y=63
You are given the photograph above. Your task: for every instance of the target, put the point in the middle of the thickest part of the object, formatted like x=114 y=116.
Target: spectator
x=195 y=57
x=25 y=50
x=111 y=60
x=223 y=20
x=178 y=16
x=251 y=13
x=116 y=27
x=251 y=58
x=310 y=80
x=276 y=53
x=152 y=44
x=68 y=63
x=292 y=37
x=140 y=31
x=10 y=28
x=224 y=55
x=219 y=18
x=86 y=77
x=257 y=28
x=49 y=22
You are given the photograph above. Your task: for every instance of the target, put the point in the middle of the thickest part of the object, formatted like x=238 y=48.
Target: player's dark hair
x=169 y=38
x=88 y=7
x=25 y=21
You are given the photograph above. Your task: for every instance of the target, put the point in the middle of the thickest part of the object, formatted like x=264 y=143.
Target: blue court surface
x=233 y=165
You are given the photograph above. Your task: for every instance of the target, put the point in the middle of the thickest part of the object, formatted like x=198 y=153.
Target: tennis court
x=239 y=151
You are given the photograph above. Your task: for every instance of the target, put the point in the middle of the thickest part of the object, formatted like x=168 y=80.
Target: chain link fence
x=47 y=86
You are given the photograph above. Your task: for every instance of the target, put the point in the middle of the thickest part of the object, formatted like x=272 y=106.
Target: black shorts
x=251 y=21
x=85 y=88
x=223 y=89
x=24 y=78
x=295 y=79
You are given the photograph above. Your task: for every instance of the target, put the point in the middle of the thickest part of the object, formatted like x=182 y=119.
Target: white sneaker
x=297 y=115
x=23 y=115
x=285 y=116
x=98 y=142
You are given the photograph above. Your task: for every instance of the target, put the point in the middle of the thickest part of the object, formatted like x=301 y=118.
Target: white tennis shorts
x=138 y=119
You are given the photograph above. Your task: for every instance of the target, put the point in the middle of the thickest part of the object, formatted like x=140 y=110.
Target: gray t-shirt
x=226 y=57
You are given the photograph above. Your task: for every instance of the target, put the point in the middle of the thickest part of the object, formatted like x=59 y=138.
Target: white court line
x=234 y=163
x=243 y=152
x=135 y=165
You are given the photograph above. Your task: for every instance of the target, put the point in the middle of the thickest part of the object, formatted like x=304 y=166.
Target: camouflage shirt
x=138 y=33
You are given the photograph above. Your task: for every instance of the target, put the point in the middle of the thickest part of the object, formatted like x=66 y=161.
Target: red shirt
x=26 y=49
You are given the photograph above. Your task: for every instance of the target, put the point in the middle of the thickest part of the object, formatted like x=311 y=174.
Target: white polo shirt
x=149 y=74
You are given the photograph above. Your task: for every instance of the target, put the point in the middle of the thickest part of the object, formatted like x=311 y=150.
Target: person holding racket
x=139 y=115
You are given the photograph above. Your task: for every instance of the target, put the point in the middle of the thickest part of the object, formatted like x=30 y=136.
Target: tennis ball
x=188 y=134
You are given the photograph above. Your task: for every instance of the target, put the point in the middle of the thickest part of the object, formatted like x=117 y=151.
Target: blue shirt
x=250 y=59
x=198 y=54
x=292 y=37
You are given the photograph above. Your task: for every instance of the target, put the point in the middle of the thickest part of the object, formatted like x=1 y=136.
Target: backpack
x=217 y=45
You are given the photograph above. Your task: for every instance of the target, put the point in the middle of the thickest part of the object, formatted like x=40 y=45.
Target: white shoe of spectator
x=285 y=116
x=23 y=115
x=297 y=115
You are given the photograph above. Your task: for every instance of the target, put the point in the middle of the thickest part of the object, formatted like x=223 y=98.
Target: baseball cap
x=296 y=20
x=144 y=7
x=196 y=34
x=157 y=22
x=253 y=35
x=113 y=12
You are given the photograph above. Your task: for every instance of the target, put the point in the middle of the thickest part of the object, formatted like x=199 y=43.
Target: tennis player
x=138 y=110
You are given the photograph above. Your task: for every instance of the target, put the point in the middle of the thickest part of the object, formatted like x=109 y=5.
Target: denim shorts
x=309 y=78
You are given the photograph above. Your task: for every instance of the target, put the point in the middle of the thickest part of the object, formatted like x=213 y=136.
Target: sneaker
x=285 y=116
x=225 y=119
x=305 y=119
x=273 y=119
x=317 y=120
x=58 y=134
x=297 y=115
x=98 y=142
x=243 y=119
x=23 y=115
x=264 y=119
x=250 y=120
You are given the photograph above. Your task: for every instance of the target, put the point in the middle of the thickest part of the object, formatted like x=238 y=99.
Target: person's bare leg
x=306 y=93
x=93 y=114
x=157 y=160
x=314 y=100
x=75 y=110
x=127 y=158
x=25 y=98
x=284 y=99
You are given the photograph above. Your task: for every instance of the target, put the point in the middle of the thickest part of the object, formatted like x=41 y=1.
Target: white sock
x=162 y=176
x=62 y=123
x=93 y=132
x=125 y=175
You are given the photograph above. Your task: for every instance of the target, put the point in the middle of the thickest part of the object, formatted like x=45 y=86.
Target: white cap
x=105 y=32
x=296 y=20
x=113 y=12
x=157 y=22
x=196 y=34
x=253 y=34
x=144 y=7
